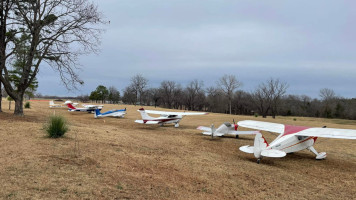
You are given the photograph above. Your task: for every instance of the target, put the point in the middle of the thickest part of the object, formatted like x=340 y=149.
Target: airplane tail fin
x=96 y=113
x=260 y=149
x=144 y=115
x=259 y=145
x=70 y=106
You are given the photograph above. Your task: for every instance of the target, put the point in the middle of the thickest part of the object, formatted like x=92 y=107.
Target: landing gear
x=258 y=161
x=176 y=125
x=319 y=156
x=237 y=136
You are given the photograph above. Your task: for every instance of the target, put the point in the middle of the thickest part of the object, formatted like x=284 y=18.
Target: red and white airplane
x=165 y=118
x=225 y=129
x=291 y=139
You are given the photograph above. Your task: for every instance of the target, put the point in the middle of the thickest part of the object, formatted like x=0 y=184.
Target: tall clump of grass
x=56 y=126
x=27 y=105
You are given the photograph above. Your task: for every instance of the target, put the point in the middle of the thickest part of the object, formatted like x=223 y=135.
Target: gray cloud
x=308 y=44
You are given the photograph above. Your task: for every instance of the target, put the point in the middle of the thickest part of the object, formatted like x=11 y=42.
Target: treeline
x=268 y=99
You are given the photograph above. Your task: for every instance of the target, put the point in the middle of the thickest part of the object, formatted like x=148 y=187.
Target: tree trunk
x=19 y=105
x=0 y=98
x=230 y=106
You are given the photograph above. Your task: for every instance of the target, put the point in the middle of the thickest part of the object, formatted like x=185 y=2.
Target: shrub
x=27 y=105
x=295 y=119
x=56 y=127
x=256 y=115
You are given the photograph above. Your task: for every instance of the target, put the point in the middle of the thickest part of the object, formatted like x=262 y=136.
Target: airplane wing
x=174 y=113
x=264 y=126
x=329 y=133
x=204 y=128
x=242 y=132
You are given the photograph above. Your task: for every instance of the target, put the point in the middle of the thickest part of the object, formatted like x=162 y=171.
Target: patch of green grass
x=119 y=186
x=9 y=196
x=56 y=127
x=27 y=105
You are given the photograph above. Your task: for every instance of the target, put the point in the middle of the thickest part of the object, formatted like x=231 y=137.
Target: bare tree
x=153 y=95
x=170 y=92
x=193 y=93
x=57 y=32
x=129 y=96
x=328 y=98
x=114 y=95
x=267 y=96
x=228 y=84
x=138 y=85
x=327 y=94
x=216 y=100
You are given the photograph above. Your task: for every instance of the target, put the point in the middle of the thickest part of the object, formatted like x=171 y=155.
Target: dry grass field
x=118 y=159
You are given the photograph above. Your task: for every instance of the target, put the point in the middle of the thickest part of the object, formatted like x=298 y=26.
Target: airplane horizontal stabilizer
x=273 y=153
x=204 y=128
x=247 y=149
x=215 y=134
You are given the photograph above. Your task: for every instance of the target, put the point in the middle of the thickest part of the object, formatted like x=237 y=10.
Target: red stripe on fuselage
x=299 y=142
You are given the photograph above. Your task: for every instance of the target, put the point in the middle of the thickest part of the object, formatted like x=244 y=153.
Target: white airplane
x=225 y=129
x=291 y=139
x=111 y=113
x=53 y=105
x=86 y=109
x=165 y=118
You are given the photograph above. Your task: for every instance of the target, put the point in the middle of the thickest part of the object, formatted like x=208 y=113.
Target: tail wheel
x=258 y=161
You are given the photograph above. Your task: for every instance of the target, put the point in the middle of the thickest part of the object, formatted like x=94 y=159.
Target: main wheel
x=258 y=161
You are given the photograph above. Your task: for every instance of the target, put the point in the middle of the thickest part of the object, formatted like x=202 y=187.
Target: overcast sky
x=308 y=44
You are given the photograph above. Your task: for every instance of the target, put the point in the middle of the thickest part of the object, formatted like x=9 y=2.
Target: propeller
x=235 y=126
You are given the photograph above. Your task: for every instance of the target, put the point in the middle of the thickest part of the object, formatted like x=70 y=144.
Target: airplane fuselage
x=165 y=119
x=292 y=143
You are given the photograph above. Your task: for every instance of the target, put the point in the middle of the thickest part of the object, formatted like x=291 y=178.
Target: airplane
x=53 y=105
x=291 y=139
x=86 y=109
x=225 y=129
x=165 y=118
x=112 y=113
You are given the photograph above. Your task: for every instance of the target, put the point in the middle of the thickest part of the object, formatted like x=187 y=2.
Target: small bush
x=27 y=105
x=256 y=115
x=295 y=119
x=56 y=126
